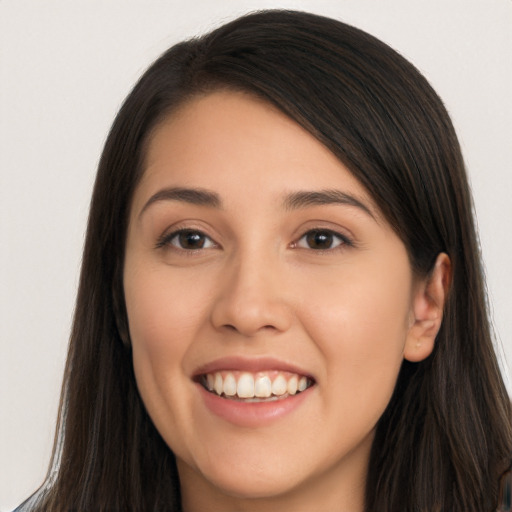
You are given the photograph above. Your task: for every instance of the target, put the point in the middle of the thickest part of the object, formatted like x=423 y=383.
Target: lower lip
x=252 y=414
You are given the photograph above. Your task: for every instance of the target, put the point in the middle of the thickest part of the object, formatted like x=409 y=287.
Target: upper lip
x=253 y=364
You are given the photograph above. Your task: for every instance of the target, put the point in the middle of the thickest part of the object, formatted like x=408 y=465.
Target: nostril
x=249 y=316
x=267 y=327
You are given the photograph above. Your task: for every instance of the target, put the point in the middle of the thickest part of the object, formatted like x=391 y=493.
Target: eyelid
x=344 y=240
x=164 y=241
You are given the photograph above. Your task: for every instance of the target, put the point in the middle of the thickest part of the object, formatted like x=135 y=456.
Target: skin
x=348 y=314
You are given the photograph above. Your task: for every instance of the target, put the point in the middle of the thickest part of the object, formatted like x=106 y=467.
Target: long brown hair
x=445 y=438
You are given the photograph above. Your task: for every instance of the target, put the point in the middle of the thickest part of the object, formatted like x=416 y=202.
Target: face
x=269 y=303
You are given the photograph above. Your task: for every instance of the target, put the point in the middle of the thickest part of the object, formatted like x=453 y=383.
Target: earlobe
x=428 y=304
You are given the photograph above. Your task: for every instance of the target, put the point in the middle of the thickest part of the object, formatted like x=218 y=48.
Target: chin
x=245 y=486
x=246 y=480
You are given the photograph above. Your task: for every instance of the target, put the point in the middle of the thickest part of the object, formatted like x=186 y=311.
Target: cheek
x=164 y=317
x=163 y=311
x=366 y=314
x=161 y=323
x=167 y=313
x=358 y=320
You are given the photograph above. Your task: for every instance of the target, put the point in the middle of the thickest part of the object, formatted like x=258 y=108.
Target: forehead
x=233 y=142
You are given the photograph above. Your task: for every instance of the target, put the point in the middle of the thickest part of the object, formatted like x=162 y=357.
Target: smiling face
x=270 y=305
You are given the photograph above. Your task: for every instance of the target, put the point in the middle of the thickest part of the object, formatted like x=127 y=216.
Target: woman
x=281 y=304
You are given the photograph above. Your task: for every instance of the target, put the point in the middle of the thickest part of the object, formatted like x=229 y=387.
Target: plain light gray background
x=66 y=66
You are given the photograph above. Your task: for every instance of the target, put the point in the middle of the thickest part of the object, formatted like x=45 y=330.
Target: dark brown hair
x=445 y=438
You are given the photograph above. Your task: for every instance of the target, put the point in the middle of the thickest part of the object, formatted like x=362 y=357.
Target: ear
x=427 y=310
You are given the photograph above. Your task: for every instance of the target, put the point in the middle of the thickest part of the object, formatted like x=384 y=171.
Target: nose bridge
x=251 y=297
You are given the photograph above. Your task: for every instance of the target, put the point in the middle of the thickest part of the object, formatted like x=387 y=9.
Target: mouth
x=253 y=387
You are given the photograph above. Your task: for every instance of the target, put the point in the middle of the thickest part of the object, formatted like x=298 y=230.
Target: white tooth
x=245 y=387
x=303 y=383
x=209 y=381
x=293 y=385
x=217 y=385
x=262 y=387
x=279 y=386
x=229 y=387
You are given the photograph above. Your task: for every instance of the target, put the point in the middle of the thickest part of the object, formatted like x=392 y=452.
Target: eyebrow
x=298 y=200
x=196 y=196
x=293 y=201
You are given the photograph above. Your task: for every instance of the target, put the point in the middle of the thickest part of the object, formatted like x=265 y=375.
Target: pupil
x=191 y=240
x=319 y=240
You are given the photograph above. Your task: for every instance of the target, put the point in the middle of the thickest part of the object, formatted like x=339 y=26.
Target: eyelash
x=166 y=240
x=342 y=240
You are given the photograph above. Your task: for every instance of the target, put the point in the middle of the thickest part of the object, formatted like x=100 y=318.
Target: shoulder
x=506 y=493
x=28 y=505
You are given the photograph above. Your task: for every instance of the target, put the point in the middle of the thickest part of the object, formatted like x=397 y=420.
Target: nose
x=252 y=298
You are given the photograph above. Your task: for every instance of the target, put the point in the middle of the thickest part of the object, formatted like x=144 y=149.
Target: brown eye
x=322 y=239
x=190 y=240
